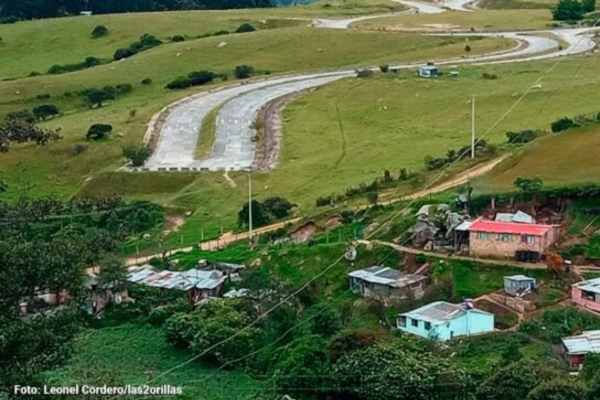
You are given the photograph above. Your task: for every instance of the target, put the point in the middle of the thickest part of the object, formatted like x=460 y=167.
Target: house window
x=427 y=325
x=482 y=235
x=504 y=237
x=588 y=295
x=415 y=322
x=529 y=239
x=401 y=322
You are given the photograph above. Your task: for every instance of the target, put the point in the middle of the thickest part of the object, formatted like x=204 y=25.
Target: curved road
x=234 y=148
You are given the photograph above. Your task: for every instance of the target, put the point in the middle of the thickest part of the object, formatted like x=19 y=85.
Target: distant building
x=199 y=284
x=576 y=347
x=385 y=283
x=518 y=285
x=445 y=321
x=510 y=239
x=519 y=217
x=428 y=71
x=587 y=294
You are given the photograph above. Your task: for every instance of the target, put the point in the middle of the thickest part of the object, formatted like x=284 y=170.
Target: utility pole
x=473 y=127
x=250 y=233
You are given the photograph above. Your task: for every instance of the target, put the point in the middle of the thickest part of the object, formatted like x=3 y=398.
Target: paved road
x=234 y=148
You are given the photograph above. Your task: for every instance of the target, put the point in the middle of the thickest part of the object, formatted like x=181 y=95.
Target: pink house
x=510 y=239
x=587 y=294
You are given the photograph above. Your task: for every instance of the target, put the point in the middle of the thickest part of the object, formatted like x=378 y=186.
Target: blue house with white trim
x=444 y=321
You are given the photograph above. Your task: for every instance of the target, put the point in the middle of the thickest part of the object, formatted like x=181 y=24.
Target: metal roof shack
x=186 y=280
x=386 y=276
x=487 y=226
x=591 y=285
x=519 y=217
x=587 y=342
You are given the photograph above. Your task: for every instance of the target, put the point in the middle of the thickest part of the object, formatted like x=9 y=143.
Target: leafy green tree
x=123 y=53
x=112 y=272
x=137 y=155
x=278 y=207
x=325 y=319
x=588 y=5
x=562 y=124
x=529 y=185
x=98 y=131
x=568 y=10
x=514 y=381
x=204 y=329
x=260 y=216
x=557 y=390
x=396 y=372
x=97 y=97
x=20 y=131
x=303 y=367
x=23 y=115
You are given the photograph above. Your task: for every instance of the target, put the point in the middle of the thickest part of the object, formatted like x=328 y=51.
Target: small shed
x=576 y=347
x=519 y=285
x=428 y=71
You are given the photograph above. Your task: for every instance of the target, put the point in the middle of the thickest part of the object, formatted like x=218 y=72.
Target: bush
x=123 y=88
x=123 y=53
x=179 y=83
x=562 y=124
x=97 y=97
x=487 y=75
x=178 y=38
x=99 y=131
x=44 y=96
x=99 y=31
x=245 y=27
x=525 y=136
x=23 y=115
x=193 y=79
x=89 y=62
x=147 y=81
x=78 y=148
x=384 y=68
x=45 y=111
x=568 y=10
x=243 y=71
x=137 y=155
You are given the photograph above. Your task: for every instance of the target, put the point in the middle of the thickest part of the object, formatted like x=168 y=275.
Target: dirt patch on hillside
x=269 y=126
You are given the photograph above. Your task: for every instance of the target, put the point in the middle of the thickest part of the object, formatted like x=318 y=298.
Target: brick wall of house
x=494 y=246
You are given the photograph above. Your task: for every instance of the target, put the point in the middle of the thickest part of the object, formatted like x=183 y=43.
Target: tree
x=45 y=111
x=245 y=27
x=514 y=381
x=98 y=131
x=562 y=124
x=178 y=38
x=20 y=131
x=557 y=390
x=123 y=53
x=260 y=217
x=588 y=5
x=97 y=97
x=99 y=31
x=529 y=185
x=23 y=115
x=243 y=71
x=278 y=207
x=198 y=78
x=591 y=367
x=137 y=155
x=568 y=10
x=112 y=272
x=325 y=319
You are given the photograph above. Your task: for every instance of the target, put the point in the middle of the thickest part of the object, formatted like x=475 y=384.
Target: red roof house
x=510 y=239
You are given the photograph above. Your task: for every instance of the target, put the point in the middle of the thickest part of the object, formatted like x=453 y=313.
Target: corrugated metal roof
x=481 y=225
x=463 y=226
x=519 y=278
x=386 y=276
x=147 y=275
x=587 y=342
x=591 y=285
x=440 y=312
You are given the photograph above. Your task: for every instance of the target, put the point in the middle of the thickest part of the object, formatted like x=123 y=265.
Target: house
x=385 y=283
x=444 y=321
x=99 y=296
x=576 y=347
x=519 y=285
x=199 y=284
x=587 y=294
x=526 y=242
x=226 y=268
x=428 y=71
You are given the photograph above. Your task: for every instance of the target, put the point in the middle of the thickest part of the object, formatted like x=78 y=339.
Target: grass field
x=559 y=160
x=37 y=45
x=134 y=353
x=482 y=20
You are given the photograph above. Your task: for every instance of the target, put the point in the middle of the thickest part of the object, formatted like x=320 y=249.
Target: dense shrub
x=178 y=38
x=487 y=75
x=45 y=111
x=23 y=115
x=384 y=68
x=196 y=78
x=99 y=31
x=562 y=124
x=78 y=148
x=243 y=71
x=123 y=53
x=99 y=131
x=97 y=97
x=555 y=324
x=147 y=81
x=264 y=213
x=123 y=88
x=89 y=62
x=245 y=27
x=570 y=10
x=137 y=155
x=522 y=137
